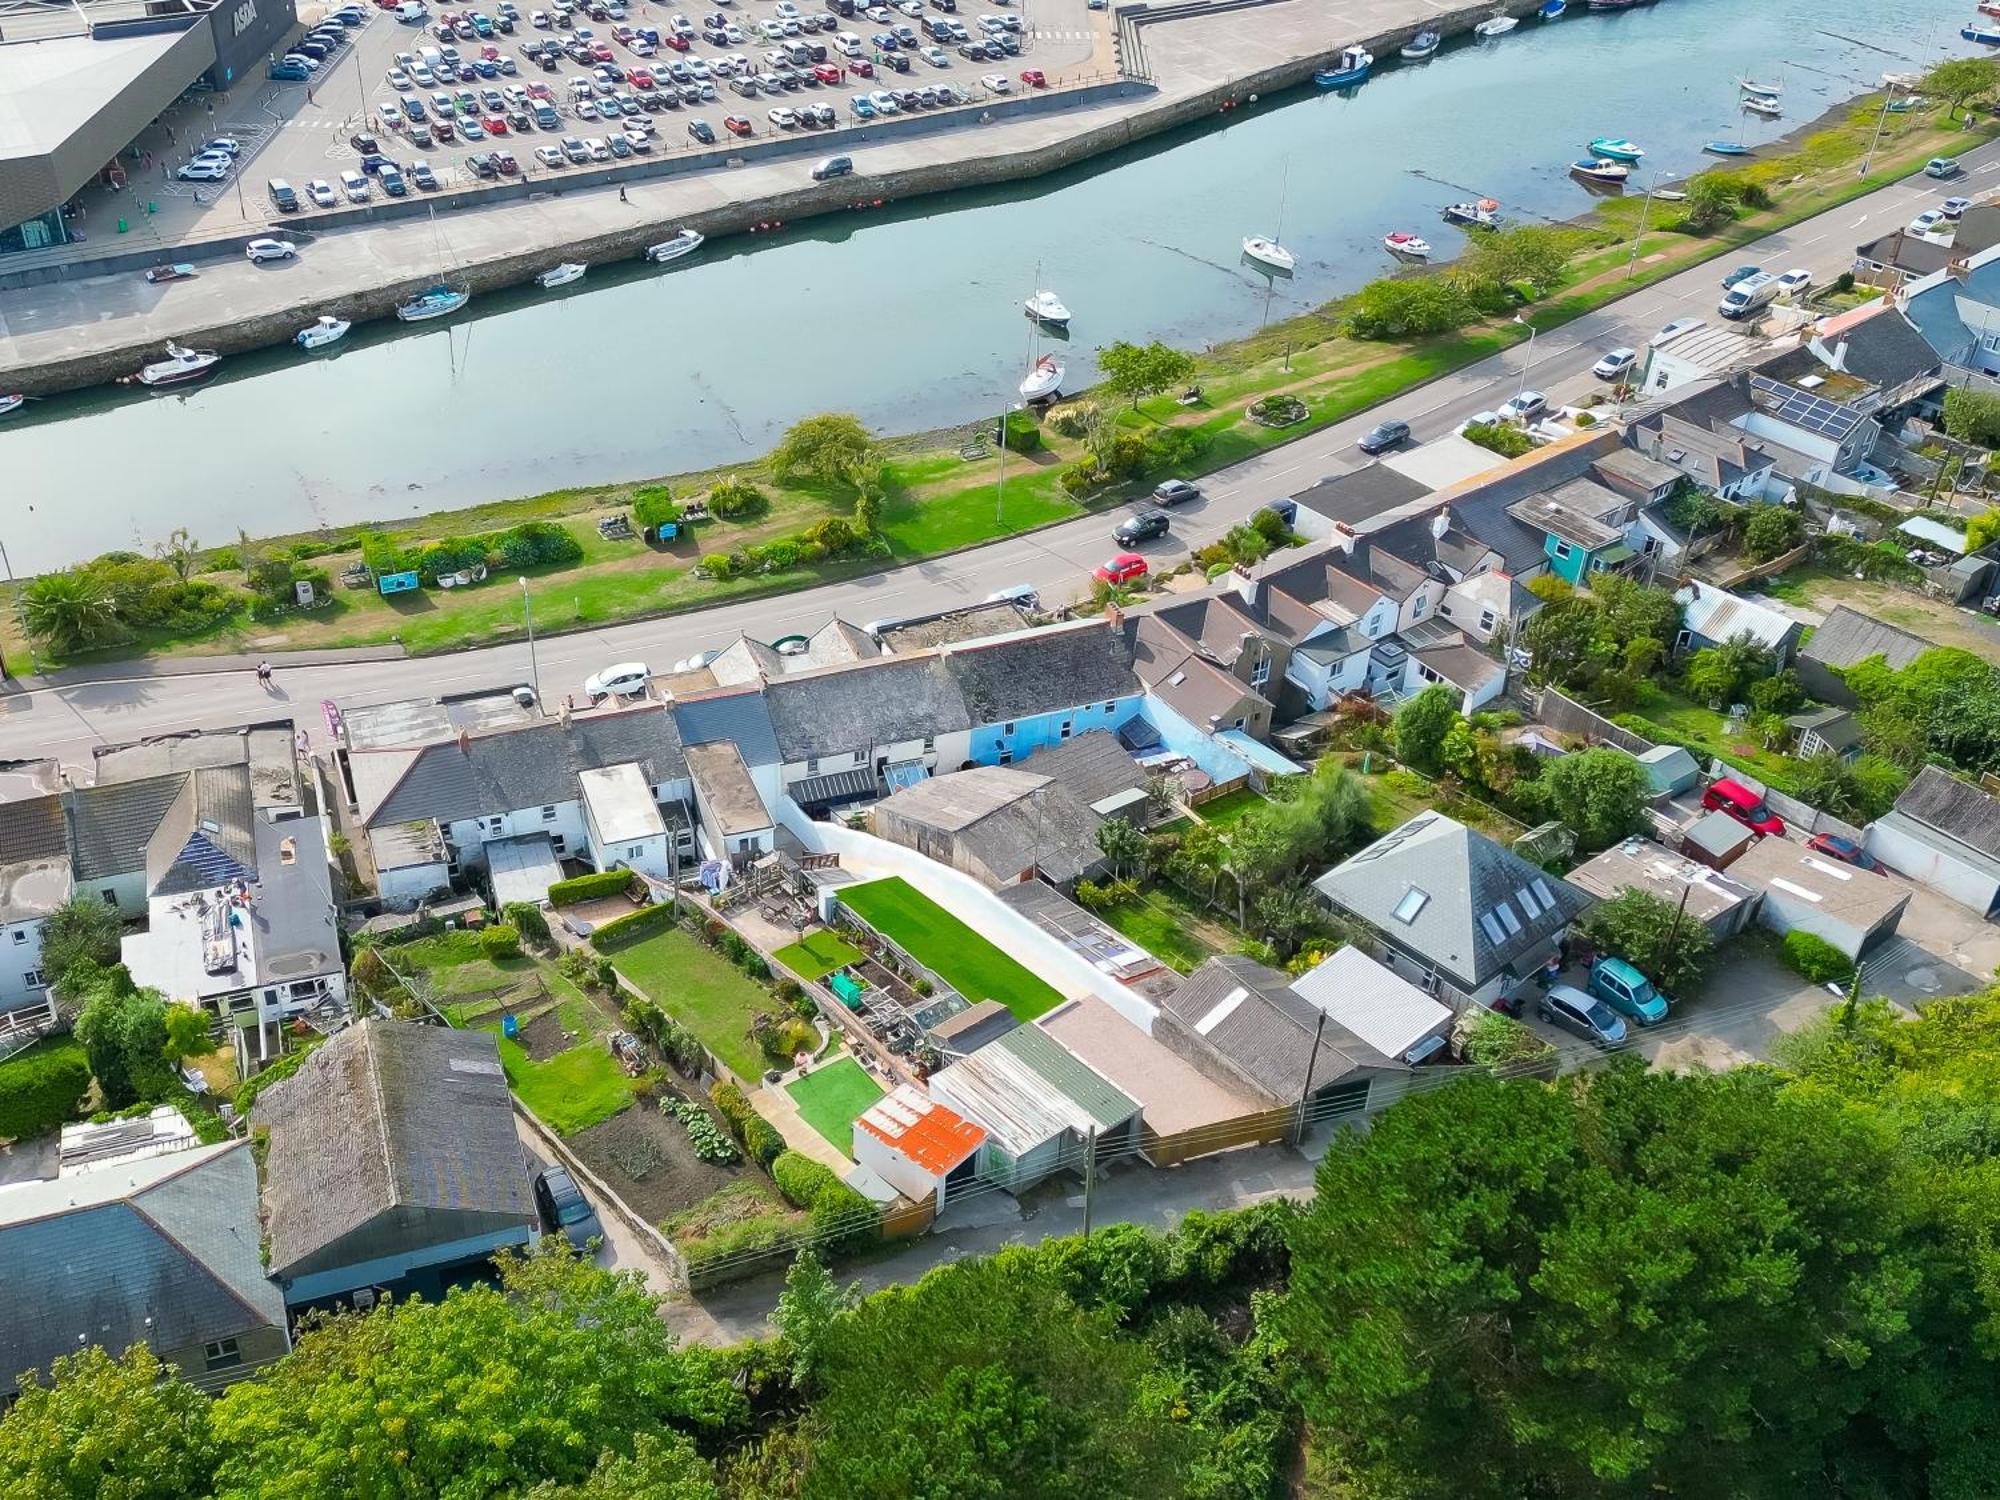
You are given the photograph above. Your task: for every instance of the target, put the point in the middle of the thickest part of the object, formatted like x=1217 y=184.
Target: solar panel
x=1807 y=411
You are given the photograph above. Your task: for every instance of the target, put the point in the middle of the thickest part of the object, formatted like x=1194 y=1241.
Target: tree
x=663 y=1466
x=1124 y=845
x=1400 y=307
x=187 y=1034
x=107 y=1427
x=1631 y=611
x=1669 y=946
x=1712 y=200
x=1139 y=370
x=806 y=1311
x=833 y=447
x=124 y=1033
x=486 y=1392
x=1421 y=726
x=1631 y=1283
x=69 y=611
x=1719 y=675
x=1769 y=530
x=1982 y=530
x=1287 y=917
x=1502 y=438
x=1973 y=416
x=1960 y=80
x=1535 y=254
x=180 y=551
x=82 y=927
x=1600 y=793
x=654 y=505
x=1559 y=639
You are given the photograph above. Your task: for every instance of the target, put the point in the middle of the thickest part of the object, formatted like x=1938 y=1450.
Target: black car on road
x=1143 y=527
x=1384 y=435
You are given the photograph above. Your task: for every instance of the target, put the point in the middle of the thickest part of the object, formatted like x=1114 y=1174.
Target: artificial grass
x=830 y=1099
x=1226 y=811
x=818 y=954
x=947 y=947
x=701 y=990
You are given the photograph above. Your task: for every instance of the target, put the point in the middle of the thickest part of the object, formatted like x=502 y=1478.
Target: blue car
x=1627 y=991
x=289 y=72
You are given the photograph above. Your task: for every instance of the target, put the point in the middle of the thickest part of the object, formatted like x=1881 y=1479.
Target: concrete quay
x=1189 y=63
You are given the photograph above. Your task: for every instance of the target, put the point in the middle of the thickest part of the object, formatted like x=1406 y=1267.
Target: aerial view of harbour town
x=999 y=749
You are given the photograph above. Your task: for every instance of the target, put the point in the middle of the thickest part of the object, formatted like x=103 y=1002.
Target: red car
x=860 y=67
x=1744 y=805
x=676 y=41
x=542 y=92
x=1123 y=568
x=493 y=125
x=642 y=78
x=1833 y=846
x=826 y=72
x=489 y=54
x=601 y=51
x=1034 y=78
x=736 y=124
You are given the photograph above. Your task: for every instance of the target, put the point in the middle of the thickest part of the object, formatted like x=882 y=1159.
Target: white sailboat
x=562 y=275
x=684 y=242
x=439 y=301
x=1044 y=379
x=1047 y=307
x=325 y=330
x=1267 y=250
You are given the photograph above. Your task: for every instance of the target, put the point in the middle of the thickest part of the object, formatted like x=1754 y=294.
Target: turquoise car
x=1627 y=991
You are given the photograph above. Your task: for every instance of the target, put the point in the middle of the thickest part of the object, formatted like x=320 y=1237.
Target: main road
x=67 y=721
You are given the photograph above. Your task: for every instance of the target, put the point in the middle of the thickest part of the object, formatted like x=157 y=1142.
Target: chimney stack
x=1113 y=615
x=464 y=742
x=1343 y=537
x=1440 y=524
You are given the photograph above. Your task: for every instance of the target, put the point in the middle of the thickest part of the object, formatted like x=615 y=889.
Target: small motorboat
x=1495 y=26
x=11 y=402
x=1989 y=7
x=1763 y=90
x=1726 y=148
x=1047 y=307
x=1409 y=246
x=1757 y=104
x=325 y=330
x=1986 y=36
x=1601 y=169
x=1422 y=47
x=1618 y=4
x=1270 y=253
x=1669 y=195
x=181 y=365
x=1478 y=215
x=1901 y=80
x=1352 y=68
x=1553 y=10
x=1043 y=382
x=1907 y=103
x=439 y=302
x=1616 y=147
x=562 y=275
x=684 y=242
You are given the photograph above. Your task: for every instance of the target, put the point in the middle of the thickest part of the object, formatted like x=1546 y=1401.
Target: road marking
x=1988 y=166
x=1860 y=221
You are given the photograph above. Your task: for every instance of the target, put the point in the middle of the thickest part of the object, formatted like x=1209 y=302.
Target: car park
x=355 y=186
x=701 y=131
x=624 y=680
x=1745 y=806
x=321 y=192
x=1616 y=363
x=1125 y=567
x=1384 y=435
x=1627 y=991
x=1142 y=527
x=1581 y=1015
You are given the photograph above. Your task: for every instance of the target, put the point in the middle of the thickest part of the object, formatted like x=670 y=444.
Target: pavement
x=66 y=721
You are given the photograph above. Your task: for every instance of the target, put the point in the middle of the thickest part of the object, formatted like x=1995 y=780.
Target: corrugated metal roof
x=1026 y=1090
x=934 y=1137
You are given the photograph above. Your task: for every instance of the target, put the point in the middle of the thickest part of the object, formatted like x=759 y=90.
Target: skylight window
x=1507 y=919
x=1529 y=904
x=1415 y=899
x=1491 y=926
x=1541 y=888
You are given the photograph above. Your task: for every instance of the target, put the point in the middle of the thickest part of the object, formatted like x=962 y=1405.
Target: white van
x=431 y=58
x=410 y=11
x=1749 y=294
x=848 y=43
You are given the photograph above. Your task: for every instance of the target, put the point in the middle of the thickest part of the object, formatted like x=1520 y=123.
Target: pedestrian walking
x=621 y=196
x=264 y=673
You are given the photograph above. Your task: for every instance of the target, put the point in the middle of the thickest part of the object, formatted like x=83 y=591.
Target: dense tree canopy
x=84 y=926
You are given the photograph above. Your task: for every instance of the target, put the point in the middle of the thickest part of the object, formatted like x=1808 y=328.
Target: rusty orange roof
x=935 y=1138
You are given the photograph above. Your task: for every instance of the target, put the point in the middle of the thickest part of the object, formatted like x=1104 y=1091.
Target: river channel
x=911 y=316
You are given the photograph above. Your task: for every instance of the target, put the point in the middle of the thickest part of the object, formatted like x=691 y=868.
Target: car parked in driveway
x=1833 y=846
x=1744 y=805
x=1142 y=527
x=1615 y=364
x=1627 y=991
x=564 y=1209
x=1125 y=567
x=1571 y=1010
x=1384 y=435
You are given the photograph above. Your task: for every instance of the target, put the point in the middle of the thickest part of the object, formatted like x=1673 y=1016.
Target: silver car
x=1581 y=1014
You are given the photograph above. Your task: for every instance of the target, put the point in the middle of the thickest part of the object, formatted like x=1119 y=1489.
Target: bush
x=1770 y=530
x=41 y=1088
x=1020 y=432
x=1814 y=959
x=653 y=505
x=784 y=1037
x=759 y=1136
x=1081 y=477
x=720 y=566
x=631 y=927
x=736 y=500
x=501 y=940
x=1508 y=442
x=536 y=544
x=1074 y=420
x=590 y=887
x=1175 y=448
x=843 y=1221
x=527 y=920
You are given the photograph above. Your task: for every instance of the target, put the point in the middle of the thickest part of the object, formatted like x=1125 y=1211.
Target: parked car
x=1833 y=846
x=1616 y=363
x=1126 y=567
x=1926 y=221
x=1034 y=78
x=1176 y=492
x=204 y=169
x=1627 y=991
x=1954 y=208
x=702 y=131
x=1741 y=273
x=1791 y=283
x=1384 y=435
x=422 y=175
x=1582 y=1015
x=1523 y=405
x=322 y=194
x=1744 y=805
x=1142 y=527
x=833 y=166
x=623 y=680
x=565 y=1210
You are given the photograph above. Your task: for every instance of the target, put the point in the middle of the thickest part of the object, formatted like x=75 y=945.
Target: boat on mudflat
x=1354 y=66
x=1726 y=148
x=561 y=275
x=1047 y=307
x=11 y=402
x=1757 y=104
x=1044 y=381
x=1406 y=245
x=1270 y=253
x=1482 y=214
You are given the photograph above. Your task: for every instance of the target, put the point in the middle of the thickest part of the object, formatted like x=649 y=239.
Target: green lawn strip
x=831 y=1098
x=951 y=950
x=1155 y=925
x=818 y=954
x=1681 y=721
x=698 y=988
x=579 y=1086
x=1226 y=811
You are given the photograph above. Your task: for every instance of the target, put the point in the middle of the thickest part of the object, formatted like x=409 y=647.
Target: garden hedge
x=1814 y=959
x=527 y=920
x=41 y=1088
x=843 y=1221
x=501 y=940
x=632 y=926
x=760 y=1138
x=590 y=887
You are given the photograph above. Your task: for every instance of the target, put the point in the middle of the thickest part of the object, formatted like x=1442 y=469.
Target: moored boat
x=325 y=330
x=1353 y=68
x=1422 y=47
x=11 y=402
x=1407 y=245
x=1044 y=380
x=684 y=242
x=1553 y=10
x=1726 y=148
x=1481 y=214
x=181 y=365
x=1989 y=7
x=562 y=275
x=1270 y=253
x=1669 y=195
x=1766 y=90
x=440 y=301
x=1986 y=36
x=1617 y=148
x=1757 y=104
x=1601 y=169
x=1495 y=26
x=1047 y=307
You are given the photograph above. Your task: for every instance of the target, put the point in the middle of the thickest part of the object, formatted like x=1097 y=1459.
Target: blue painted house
x=1583 y=525
x=1039 y=688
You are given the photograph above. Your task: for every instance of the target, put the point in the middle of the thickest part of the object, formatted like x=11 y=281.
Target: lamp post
x=8 y=568
x=534 y=667
x=1529 y=359
x=1645 y=223
x=1881 y=120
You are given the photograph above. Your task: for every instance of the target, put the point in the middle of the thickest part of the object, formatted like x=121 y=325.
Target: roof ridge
x=394 y=1184
x=228 y=1287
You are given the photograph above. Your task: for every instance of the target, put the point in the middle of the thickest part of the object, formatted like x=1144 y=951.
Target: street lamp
x=1530 y=358
x=1880 y=120
x=8 y=568
x=534 y=667
x=1645 y=223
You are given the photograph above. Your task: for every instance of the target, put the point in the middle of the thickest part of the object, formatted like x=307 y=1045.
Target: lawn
x=1682 y=720
x=830 y=1099
x=947 y=947
x=580 y=1085
x=699 y=988
x=818 y=954
x=1226 y=811
x=1160 y=920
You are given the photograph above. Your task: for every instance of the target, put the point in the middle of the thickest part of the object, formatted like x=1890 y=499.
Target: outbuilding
x=1038 y=1105
x=1700 y=892
x=1944 y=833
x=1851 y=908
x=917 y=1146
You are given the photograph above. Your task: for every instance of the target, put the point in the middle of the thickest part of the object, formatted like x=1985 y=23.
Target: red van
x=1744 y=805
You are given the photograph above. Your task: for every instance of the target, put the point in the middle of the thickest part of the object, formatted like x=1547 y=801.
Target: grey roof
x=1358 y=496
x=972 y=622
x=1042 y=671
x=1457 y=552
x=1462 y=665
x=1006 y=820
x=724 y=788
x=1454 y=888
x=966 y=1032
x=842 y=709
x=32 y=828
x=1956 y=808
x=390 y=1139
x=1183 y=679
x=1839 y=728
x=1246 y=1016
x=1717 y=615
x=162 y=1251
x=1885 y=348
x=1630 y=466
x=484 y=774
x=1218 y=622
x=206 y=836
x=1093 y=766
x=1716 y=833
x=738 y=716
x=110 y=826
x=269 y=750
x=1847 y=636
x=1907 y=252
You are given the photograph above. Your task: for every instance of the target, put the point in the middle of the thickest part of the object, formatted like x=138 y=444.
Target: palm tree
x=68 y=611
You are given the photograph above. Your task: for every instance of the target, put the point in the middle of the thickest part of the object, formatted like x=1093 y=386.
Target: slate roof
x=738 y=716
x=1247 y=1018
x=1358 y=496
x=745 y=660
x=1219 y=622
x=1093 y=766
x=1006 y=820
x=838 y=641
x=1847 y=636
x=1710 y=456
x=1464 y=878
x=111 y=825
x=1956 y=808
x=390 y=1116
x=172 y=1238
x=207 y=835
x=1041 y=671
x=1885 y=349
x=1552 y=515
x=1458 y=552
x=838 y=710
x=1907 y=252
x=528 y=767
x=32 y=828
x=1176 y=674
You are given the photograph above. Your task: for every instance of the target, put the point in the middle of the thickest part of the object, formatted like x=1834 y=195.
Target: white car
x=1519 y=408
x=391 y=115
x=936 y=57
x=625 y=680
x=422 y=76
x=598 y=150
x=548 y=156
x=266 y=249
x=1794 y=282
x=204 y=169
x=637 y=141
x=696 y=662
x=322 y=194
x=785 y=119
x=226 y=145
x=1615 y=363
x=998 y=83
x=1673 y=331
x=355 y=186
x=785 y=10
x=1926 y=221
x=885 y=102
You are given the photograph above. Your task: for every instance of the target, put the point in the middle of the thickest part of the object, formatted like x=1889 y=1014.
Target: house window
x=930 y=744
x=1111 y=707
x=1063 y=732
x=1006 y=757
x=556 y=842
x=812 y=765
x=240 y=1003
x=110 y=896
x=1261 y=673
x=1414 y=900
x=1238 y=722
x=1560 y=551
x=33 y=979
x=494 y=826
x=1420 y=604
x=223 y=1354
x=1486 y=619
x=549 y=813
x=20 y=934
